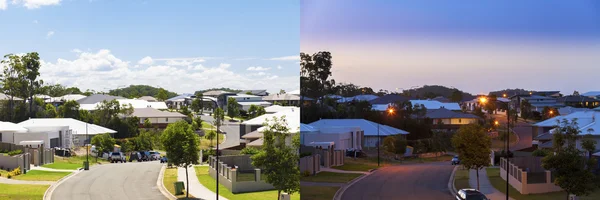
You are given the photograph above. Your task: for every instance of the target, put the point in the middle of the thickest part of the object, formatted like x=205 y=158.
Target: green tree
x=389 y=144
x=473 y=146
x=104 y=143
x=31 y=65
x=490 y=104
x=571 y=171
x=232 y=108
x=457 y=96
x=196 y=105
x=252 y=111
x=526 y=110
x=69 y=109
x=50 y=111
x=147 y=123
x=182 y=146
x=260 y=111
x=284 y=174
x=210 y=135
x=11 y=82
x=162 y=95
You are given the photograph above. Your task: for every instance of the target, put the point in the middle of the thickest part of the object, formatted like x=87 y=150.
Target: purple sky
x=474 y=46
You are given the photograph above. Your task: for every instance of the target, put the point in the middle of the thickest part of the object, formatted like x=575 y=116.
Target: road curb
x=161 y=186
x=340 y=192
x=451 y=186
x=50 y=190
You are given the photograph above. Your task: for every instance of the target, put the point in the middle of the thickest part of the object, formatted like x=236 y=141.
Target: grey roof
x=531 y=97
x=545 y=136
x=577 y=99
x=281 y=97
x=96 y=98
x=546 y=144
x=390 y=98
x=255 y=92
x=568 y=110
x=545 y=93
x=181 y=96
x=151 y=112
x=148 y=98
x=216 y=93
x=591 y=94
x=6 y=97
x=370 y=128
x=443 y=113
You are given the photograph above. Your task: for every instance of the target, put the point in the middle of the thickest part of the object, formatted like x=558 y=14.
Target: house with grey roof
x=579 y=101
x=587 y=123
x=553 y=94
x=448 y=120
x=373 y=132
x=283 y=99
x=97 y=98
x=216 y=93
x=255 y=92
x=158 y=119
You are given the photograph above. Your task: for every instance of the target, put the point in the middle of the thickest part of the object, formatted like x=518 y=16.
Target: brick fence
x=528 y=182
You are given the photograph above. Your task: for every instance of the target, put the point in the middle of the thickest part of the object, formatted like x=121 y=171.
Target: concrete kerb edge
x=340 y=192
x=50 y=190
x=451 y=186
x=161 y=185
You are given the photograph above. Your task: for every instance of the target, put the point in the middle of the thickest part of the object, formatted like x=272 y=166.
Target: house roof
x=135 y=103
x=215 y=93
x=443 y=113
x=151 y=112
x=277 y=108
x=7 y=97
x=296 y=92
x=333 y=96
x=432 y=104
x=78 y=127
x=568 y=110
x=545 y=93
x=369 y=127
x=253 y=134
x=256 y=143
x=181 y=96
x=362 y=97
x=11 y=127
x=307 y=128
x=258 y=103
x=583 y=118
x=281 y=97
x=243 y=95
x=69 y=97
x=390 y=98
x=255 y=92
x=96 y=98
x=591 y=94
x=536 y=97
x=442 y=99
x=148 y=98
x=576 y=99
x=291 y=116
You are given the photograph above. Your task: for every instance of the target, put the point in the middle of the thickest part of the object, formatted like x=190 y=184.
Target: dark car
x=470 y=194
x=163 y=159
x=145 y=155
x=135 y=156
x=455 y=160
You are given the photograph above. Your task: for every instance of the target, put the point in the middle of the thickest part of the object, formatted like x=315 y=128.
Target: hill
x=135 y=91
x=510 y=92
x=432 y=91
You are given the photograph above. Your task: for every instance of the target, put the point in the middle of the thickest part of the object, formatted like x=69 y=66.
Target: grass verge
x=169 y=178
x=361 y=164
x=461 y=179
x=318 y=192
x=207 y=144
x=72 y=163
x=210 y=183
x=331 y=177
x=22 y=192
x=38 y=175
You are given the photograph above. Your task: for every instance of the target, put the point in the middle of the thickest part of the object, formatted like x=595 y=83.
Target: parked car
x=163 y=159
x=455 y=160
x=154 y=155
x=117 y=157
x=135 y=156
x=144 y=156
x=470 y=194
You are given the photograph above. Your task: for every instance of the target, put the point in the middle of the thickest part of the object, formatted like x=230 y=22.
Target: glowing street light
x=496 y=123
x=390 y=110
x=504 y=95
x=482 y=99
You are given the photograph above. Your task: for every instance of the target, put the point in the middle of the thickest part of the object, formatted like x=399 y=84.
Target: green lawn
x=169 y=178
x=206 y=125
x=73 y=162
x=361 y=164
x=22 y=192
x=331 y=177
x=461 y=179
x=38 y=175
x=206 y=144
x=317 y=192
x=500 y=185
x=209 y=182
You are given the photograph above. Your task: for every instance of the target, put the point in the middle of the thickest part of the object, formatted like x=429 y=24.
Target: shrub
x=9 y=176
x=206 y=153
x=249 y=151
x=15 y=152
x=306 y=173
x=302 y=155
x=540 y=153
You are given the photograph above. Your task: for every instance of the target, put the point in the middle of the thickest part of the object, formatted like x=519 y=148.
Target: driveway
x=409 y=181
x=113 y=181
x=231 y=130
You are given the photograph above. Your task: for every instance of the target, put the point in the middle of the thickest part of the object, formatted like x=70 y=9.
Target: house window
x=167 y=119
x=459 y=120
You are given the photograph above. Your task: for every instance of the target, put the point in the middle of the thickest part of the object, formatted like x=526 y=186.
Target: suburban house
x=362 y=97
x=553 y=94
x=579 y=101
x=537 y=102
x=135 y=103
x=444 y=119
x=283 y=99
x=255 y=92
x=587 y=122
x=61 y=132
x=382 y=103
x=256 y=125
x=159 y=119
x=178 y=102
x=208 y=102
x=244 y=101
x=97 y=98
x=216 y=93
x=277 y=108
x=592 y=94
x=371 y=130
x=340 y=137
x=432 y=104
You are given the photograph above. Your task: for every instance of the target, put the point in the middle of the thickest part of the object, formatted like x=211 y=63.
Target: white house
x=277 y=108
x=587 y=122
x=371 y=129
x=156 y=117
x=342 y=138
x=64 y=129
x=255 y=127
x=244 y=101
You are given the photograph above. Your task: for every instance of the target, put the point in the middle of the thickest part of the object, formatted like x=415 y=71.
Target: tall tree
x=232 y=108
x=11 y=81
x=526 y=110
x=162 y=95
x=279 y=159
x=571 y=170
x=69 y=109
x=182 y=146
x=457 y=96
x=473 y=146
x=31 y=65
x=201 y=105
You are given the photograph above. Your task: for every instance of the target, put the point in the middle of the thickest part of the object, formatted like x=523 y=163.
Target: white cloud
x=34 y=4
x=49 y=34
x=3 y=4
x=279 y=67
x=259 y=68
x=76 y=51
x=101 y=69
x=146 y=61
x=286 y=58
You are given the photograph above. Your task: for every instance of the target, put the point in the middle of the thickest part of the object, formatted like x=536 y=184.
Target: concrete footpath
x=197 y=189
x=485 y=186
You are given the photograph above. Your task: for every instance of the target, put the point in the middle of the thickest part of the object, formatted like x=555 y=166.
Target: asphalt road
x=231 y=130
x=410 y=181
x=522 y=129
x=113 y=181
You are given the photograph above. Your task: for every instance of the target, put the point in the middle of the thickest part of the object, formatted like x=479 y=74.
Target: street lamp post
x=483 y=100
x=378 y=144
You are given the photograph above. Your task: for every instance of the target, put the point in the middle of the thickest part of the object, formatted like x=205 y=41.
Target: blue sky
x=477 y=46
x=183 y=46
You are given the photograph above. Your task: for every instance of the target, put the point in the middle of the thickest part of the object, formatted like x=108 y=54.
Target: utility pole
x=378 y=144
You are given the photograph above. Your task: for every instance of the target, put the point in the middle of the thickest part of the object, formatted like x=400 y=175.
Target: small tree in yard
x=232 y=108
x=182 y=146
x=573 y=173
x=473 y=146
x=210 y=135
x=278 y=159
x=103 y=143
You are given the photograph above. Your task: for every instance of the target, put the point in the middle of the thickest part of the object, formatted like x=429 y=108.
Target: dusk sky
x=476 y=46
x=184 y=46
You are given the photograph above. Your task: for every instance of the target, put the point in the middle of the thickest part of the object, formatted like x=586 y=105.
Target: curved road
x=113 y=181
x=522 y=129
x=230 y=129
x=407 y=181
